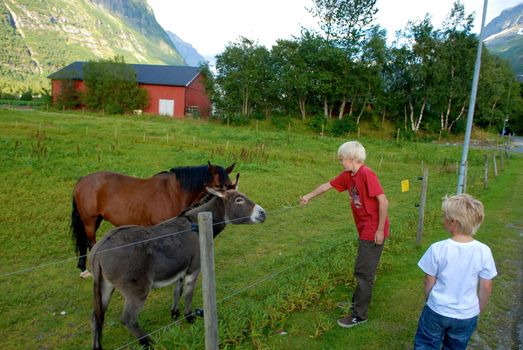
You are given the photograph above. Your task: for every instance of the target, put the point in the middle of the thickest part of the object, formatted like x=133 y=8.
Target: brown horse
x=126 y=200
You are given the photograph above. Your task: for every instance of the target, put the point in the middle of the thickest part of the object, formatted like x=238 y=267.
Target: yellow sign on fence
x=405 y=186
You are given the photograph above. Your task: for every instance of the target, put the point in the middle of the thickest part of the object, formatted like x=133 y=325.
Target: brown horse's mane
x=192 y=178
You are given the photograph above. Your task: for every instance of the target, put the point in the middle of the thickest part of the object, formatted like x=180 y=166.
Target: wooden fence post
x=501 y=162
x=423 y=199
x=495 y=166
x=210 y=316
x=485 y=171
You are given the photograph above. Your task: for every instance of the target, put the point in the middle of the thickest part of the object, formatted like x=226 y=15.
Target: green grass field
x=277 y=283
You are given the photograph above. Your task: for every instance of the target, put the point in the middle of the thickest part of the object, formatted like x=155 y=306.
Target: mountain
x=504 y=37
x=39 y=37
x=189 y=53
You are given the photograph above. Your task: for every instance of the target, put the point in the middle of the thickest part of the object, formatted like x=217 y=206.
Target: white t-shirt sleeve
x=428 y=262
x=489 y=267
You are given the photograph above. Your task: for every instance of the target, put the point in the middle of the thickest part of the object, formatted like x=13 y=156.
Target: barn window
x=166 y=107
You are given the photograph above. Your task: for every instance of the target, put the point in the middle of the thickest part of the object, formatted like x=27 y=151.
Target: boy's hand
x=379 y=237
x=304 y=200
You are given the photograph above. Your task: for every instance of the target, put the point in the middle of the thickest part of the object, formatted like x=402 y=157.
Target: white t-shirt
x=457 y=268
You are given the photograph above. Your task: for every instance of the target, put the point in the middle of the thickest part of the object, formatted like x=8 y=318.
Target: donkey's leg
x=103 y=290
x=133 y=305
x=178 y=290
x=189 y=284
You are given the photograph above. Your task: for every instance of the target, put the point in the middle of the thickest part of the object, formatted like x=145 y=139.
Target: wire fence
x=283 y=209
x=246 y=288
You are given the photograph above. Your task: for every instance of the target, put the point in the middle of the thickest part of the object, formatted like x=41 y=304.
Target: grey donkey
x=136 y=259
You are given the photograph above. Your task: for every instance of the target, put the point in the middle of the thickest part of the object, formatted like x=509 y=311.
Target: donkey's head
x=239 y=209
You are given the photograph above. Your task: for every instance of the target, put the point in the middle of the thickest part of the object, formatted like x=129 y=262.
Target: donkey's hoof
x=190 y=318
x=198 y=312
x=175 y=314
x=85 y=274
x=146 y=342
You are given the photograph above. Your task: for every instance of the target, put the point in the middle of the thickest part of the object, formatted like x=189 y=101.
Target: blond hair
x=467 y=211
x=352 y=150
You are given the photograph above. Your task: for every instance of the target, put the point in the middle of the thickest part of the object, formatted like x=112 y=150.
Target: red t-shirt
x=363 y=187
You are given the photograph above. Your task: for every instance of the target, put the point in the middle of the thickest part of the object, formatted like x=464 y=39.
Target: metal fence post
x=423 y=199
x=210 y=316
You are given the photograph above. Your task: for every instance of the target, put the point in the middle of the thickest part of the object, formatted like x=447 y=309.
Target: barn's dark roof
x=145 y=74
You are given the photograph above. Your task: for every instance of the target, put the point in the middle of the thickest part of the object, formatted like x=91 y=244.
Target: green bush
x=281 y=122
x=343 y=126
x=27 y=96
x=318 y=123
x=234 y=119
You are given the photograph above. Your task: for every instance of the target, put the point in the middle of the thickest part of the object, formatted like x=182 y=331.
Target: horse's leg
x=178 y=290
x=189 y=283
x=133 y=306
x=103 y=290
x=90 y=225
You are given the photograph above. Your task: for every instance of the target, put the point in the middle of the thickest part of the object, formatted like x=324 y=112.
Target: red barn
x=173 y=90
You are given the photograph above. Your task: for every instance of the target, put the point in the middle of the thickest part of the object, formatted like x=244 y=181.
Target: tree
x=455 y=67
x=111 y=85
x=343 y=21
x=372 y=61
x=243 y=75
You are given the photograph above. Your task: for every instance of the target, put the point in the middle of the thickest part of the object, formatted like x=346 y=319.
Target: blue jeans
x=435 y=330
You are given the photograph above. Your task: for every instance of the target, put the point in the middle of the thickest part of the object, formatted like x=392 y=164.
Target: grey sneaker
x=350 y=321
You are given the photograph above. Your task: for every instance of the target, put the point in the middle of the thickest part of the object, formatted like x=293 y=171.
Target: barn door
x=166 y=107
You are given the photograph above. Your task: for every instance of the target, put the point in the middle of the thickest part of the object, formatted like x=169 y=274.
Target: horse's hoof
x=85 y=274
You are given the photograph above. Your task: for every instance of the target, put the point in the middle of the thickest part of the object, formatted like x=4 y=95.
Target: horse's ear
x=214 y=192
x=237 y=182
x=230 y=168
x=212 y=168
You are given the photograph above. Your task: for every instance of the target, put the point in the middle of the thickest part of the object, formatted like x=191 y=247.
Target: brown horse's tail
x=79 y=236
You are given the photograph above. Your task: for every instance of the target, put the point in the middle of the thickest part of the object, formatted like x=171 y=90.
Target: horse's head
x=220 y=177
x=239 y=209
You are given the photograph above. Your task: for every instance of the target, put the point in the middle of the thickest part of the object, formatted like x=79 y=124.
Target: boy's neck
x=461 y=238
x=356 y=167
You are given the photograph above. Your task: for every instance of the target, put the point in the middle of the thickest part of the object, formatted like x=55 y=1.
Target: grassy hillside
x=37 y=38
x=284 y=275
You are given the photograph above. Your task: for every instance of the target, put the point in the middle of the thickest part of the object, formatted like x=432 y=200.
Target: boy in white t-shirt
x=453 y=268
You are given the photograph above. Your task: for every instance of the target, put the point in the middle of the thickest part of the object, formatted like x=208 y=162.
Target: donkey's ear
x=214 y=192
x=230 y=168
x=237 y=182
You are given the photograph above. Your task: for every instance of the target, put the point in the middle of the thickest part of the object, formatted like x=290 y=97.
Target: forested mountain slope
x=39 y=37
x=504 y=37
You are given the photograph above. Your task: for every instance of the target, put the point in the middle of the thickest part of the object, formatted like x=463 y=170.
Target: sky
x=210 y=25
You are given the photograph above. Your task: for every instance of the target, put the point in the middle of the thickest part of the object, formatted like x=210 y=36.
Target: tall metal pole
x=472 y=103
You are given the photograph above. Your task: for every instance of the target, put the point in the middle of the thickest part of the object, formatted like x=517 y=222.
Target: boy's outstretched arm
x=485 y=290
x=430 y=281
x=319 y=190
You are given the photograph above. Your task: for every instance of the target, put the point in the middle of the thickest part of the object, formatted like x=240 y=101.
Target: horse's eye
x=239 y=200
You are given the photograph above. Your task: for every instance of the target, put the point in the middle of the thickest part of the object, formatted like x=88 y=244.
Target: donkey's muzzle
x=258 y=214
